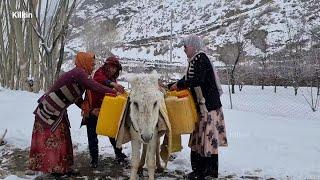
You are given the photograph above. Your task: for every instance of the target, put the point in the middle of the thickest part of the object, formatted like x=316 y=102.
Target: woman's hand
x=95 y=112
x=162 y=87
x=174 y=87
x=118 y=88
x=160 y=84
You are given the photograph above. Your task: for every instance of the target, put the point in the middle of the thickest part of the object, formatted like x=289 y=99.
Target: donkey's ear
x=154 y=72
x=133 y=79
x=136 y=80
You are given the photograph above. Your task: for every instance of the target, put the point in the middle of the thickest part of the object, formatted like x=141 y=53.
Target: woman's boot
x=120 y=156
x=211 y=166
x=196 y=166
x=93 y=141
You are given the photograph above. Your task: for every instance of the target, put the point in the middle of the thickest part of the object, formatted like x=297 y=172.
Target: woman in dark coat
x=210 y=130
x=51 y=146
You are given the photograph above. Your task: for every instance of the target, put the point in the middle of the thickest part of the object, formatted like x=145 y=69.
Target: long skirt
x=209 y=134
x=51 y=152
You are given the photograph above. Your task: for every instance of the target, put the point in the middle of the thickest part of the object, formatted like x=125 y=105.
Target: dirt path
x=14 y=162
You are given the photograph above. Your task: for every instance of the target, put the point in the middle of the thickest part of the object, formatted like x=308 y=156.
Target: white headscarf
x=197 y=43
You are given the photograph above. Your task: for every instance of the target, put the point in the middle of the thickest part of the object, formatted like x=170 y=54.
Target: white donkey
x=145 y=99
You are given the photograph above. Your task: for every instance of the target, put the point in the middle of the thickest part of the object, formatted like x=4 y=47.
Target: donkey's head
x=145 y=103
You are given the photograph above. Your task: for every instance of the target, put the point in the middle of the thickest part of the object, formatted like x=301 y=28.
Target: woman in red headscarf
x=106 y=75
x=51 y=145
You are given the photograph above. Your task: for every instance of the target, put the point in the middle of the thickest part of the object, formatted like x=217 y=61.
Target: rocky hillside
x=143 y=27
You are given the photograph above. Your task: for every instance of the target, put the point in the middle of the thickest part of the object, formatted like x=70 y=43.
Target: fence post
x=230 y=96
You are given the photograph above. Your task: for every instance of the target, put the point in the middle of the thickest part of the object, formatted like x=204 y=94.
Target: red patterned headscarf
x=113 y=61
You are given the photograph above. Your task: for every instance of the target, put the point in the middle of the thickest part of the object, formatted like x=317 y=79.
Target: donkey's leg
x=158 y=160
x=151 y=157
x=143 y=158
x=135 y=159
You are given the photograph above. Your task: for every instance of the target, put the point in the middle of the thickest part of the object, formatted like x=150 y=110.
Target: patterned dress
x=51 y=151
x=209 y=134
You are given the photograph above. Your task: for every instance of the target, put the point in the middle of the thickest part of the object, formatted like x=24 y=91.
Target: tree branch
x=2 y=138
x=32 y=11
x=42 y=40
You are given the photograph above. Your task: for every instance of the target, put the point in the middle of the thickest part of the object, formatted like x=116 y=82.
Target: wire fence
x=282 y=103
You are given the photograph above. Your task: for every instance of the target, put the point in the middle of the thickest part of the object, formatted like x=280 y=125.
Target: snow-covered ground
x=260 y=143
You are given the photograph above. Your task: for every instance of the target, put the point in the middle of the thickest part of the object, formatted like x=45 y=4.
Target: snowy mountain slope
x=148 y=23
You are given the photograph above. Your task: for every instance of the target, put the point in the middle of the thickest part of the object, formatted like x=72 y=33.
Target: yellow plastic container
x=181 y=111
x=176 y=143
x=184 y=93
x=111 y=113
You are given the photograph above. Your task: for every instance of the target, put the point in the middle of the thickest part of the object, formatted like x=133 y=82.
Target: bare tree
x=20 y=30
x=315 y=32
x=2 y=141
x=101 y=37
x=51 y=28
x=313 y=101
x=35 y=76
x=294 y=47
x=232 y=53
x=9 y=45
x=259 y=39
x=3 y=70
x=313 y=74
x=23 y=64
x=315 y=52
x=318 y=80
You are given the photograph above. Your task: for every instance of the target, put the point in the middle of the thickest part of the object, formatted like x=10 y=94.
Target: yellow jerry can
x=176 y=143
x=181 y=111
x=111 y=113
x=187 y=93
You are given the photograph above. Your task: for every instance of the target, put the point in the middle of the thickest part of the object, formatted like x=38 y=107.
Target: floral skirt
x=51 y=152
x=209 y=134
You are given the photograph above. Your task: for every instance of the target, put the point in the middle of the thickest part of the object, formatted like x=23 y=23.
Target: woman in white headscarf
x=210 y=131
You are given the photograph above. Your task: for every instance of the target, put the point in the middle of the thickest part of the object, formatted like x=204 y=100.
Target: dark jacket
x=200 y=73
